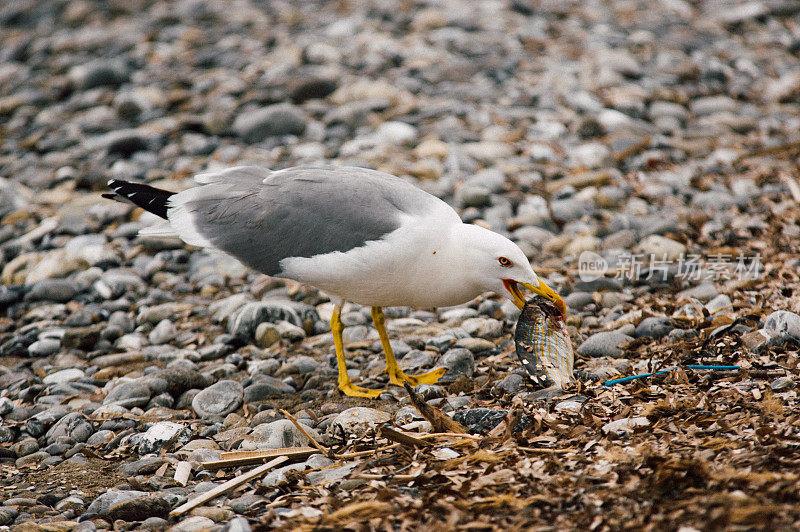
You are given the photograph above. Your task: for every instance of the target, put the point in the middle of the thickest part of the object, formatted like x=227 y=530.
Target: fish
x=543 y=344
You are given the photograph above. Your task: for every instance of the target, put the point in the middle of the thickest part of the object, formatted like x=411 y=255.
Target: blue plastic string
x=690 y=366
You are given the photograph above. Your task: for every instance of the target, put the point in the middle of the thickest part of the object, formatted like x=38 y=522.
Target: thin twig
x=388 y=476
x=358 y=454
x=240 y=458
x=314 y=443
x=544 y=451
x=440 y=421
x=449 y=435
x=401 y=437
x=632 y=150
x=227 y=486
x=772 y=150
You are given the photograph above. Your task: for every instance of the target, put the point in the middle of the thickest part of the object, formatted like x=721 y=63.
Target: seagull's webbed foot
x=396 y=375
x=350 y=389
x=345 y=384
x=398 y=378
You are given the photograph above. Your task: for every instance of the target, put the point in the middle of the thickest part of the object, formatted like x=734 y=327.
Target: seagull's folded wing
x=261 y=217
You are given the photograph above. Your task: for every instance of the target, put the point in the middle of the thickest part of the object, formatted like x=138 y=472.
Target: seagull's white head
x=499 y=265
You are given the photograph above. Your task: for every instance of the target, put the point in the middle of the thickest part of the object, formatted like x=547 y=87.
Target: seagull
x=357 y=234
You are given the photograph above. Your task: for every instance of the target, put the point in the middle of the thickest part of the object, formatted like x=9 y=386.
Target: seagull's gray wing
x=261 y=217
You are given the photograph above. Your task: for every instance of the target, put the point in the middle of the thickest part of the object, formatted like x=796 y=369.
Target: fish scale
x=543 y=344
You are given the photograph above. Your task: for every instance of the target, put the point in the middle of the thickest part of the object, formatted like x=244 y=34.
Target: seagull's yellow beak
x=543 y=290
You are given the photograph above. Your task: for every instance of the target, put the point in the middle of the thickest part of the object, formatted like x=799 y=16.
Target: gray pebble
x=182 y=375
x=782 y=383
x=312 y=87
x=218 y=399
x=567 y=210
x=654 y=327
x=64 y=375
x=429 y=392
x=317 y=461
x=476 y=345
x=480 y=420
x=488 y=328
x=128 y=394
x=237 y=524
x=164 y=400
x=703 y=292
x=104 y=501
x=459 y=314
x=32 y=458
x=136 y=508
x=124 y=142
x=604 y=344
x=73 y=502
x=713 y=104
x=474 y=196
x=100 y=437
x=289 y=331
x=161 y=434
x=277 y=434
x=6 y=406
x=162 y=333
x=298 y=364
x=359 y=419
x=511 y=384
x=73 y=425
x=8 y=515
x=277 y=476
x=243 y=321
x=783 y=322
x=99 y=73
x=39 y=423
x=58 y=290
x=459 y=362
x=578 y=300
x=44 y=347
x=415 y=360
x=154 y=523
x=330 y=474
x=143 y=466
x=26 y=447
x=713 y=201
x=273 y=120
x=264 y=387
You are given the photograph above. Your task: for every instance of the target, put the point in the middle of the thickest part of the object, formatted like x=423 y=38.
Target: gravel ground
x=643 y=154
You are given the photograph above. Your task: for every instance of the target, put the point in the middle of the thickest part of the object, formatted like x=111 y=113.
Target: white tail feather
x=159 y=230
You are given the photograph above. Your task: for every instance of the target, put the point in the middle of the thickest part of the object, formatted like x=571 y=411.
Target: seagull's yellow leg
x=345 y=383
x=396 y=375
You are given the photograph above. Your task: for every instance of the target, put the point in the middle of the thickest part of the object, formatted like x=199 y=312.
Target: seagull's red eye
x=504 y=262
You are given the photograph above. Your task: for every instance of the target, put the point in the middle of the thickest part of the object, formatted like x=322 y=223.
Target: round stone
x=604 y=344
x=64 y=375
x=44 y=347
x=128 y=394
x=358 y=419
x=783 y=322
x=654 y=327
x=218 y=399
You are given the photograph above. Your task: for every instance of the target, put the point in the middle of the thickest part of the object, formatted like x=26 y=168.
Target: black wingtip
x=149 y=198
